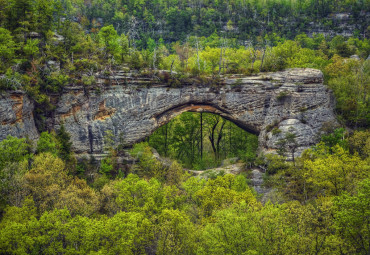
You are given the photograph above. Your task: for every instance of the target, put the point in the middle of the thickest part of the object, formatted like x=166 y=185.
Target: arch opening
x=202 y=136
x=166 y=116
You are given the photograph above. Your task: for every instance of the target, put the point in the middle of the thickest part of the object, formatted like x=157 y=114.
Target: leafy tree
x=174 y=173
x=220 y=139
x=275 y=163
x=46 y=178
x=78 y=198
x=106 y=166
x=136 y=60
x=14 y=156
x=109 y=38
x=19 y=15
x=360 y=142
x=175 y=233
x=44 y=15
x=337 y=137
x=31 y=48
x=51 y=187
x=124 y=44
x=64 y=142
x=13 y=150
x=8 y=47
x=334 y=173
x=304 y=41
x=288 y=143
x=137 y=195
x=148 y=165
x=16 y=225
x=348 y=80
x=352 y=218
x=47 y=143
x=217 y=194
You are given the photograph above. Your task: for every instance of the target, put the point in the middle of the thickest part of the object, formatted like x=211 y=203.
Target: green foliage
x=275 y=163
x=7 y=47
x=135 y=194
x=109 y=143
x=124 y=44
x=13 y=150
x=148 y=165
x=219 y=193
x=56 y=82
x=276 y=131
x=128 y=233
x=46 y=210
x=51 y=187
x=109 y=39
x=64 y=143
x=14 y=156
x=175 y=233
x=336 y=173
x=352 y=217
x=349 y=82
x=106 y=166
x=31 y=48
x=288 y=144
x=337 y=137
x=360 y=142
x=136 y=60
x=288 y=229
x=182 y=138
x=174 y=173
x=47 y=143
x=282 y=95
x=177 y=214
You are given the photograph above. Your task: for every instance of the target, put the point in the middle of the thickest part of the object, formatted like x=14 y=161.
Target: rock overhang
x=291 y=98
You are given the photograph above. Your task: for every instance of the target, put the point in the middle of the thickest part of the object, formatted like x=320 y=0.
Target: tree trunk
x=166 y=141
x=212 y=138
x=219 y=138
x=201 y=136
x=198 y=56
x=220 y=64
x=263 y=58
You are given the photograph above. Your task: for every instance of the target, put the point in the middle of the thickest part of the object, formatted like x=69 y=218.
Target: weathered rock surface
x=265 y=193
x=132 y=108
x=235 y=169
x=16 y=116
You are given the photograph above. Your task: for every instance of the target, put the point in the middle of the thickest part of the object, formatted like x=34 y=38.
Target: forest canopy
x=55 y=202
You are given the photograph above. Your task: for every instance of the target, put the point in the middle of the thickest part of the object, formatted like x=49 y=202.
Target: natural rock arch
x=165 y=117
x=135 y=107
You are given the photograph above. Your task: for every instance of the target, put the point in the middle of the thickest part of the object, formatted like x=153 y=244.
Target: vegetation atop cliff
x=47 y=45
x=50 y=203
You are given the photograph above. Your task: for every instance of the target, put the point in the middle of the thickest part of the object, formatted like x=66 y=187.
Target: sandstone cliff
x=268 y=105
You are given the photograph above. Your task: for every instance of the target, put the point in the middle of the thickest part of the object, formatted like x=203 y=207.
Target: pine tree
x=64 y=143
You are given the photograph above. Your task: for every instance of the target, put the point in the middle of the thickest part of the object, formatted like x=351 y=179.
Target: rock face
x=294 y=100
x=235 y=169
x=16 y=116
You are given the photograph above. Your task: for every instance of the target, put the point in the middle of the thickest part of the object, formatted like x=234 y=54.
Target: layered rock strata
x=268 y=105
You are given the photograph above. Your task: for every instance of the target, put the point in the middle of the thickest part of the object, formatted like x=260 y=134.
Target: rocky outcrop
x=16 y=116
x=235 y=169
x=132 y=108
